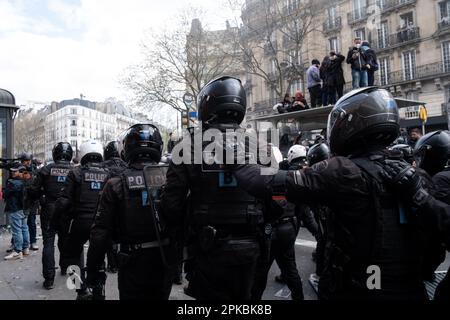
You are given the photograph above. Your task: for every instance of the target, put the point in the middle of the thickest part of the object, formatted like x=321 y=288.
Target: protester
x=372 y=63
x=299 y=102
x=357 y=59
x=335 y=77
x=414 y=135
x=285 y=105
x=314 y=84
x=324 y=73
x=14 y=196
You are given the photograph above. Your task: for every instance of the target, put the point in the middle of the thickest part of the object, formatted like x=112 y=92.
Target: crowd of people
x=325 y=80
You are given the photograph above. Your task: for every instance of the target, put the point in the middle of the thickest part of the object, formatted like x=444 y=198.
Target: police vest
x=93 y=178
x=54 y=179
x=396 y=239
x=139 y=221
x=218 y=201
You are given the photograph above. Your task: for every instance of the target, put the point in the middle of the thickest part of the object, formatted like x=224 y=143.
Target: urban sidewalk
x=22 y=279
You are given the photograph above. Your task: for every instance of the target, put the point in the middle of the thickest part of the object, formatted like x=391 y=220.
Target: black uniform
x=126 y=216
x=224 y=223
x=442 y=192
x=284 y=226
x=368 y=226
x=48 y=183
x=115 y=167
x=77 y=203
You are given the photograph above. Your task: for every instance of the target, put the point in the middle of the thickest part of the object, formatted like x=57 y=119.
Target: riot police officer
x=368 y=227
x=322 y=214
x=223 y=220
x=78 y=202
x=112 y=158
x=432 y=154
x=284 y=222
x=128 y=215
x=116 y=166
x=406 y=151
x=47 y=185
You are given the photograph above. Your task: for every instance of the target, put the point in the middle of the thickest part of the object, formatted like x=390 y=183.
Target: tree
x=25 y=138
x=176 y=61
x=273 y=42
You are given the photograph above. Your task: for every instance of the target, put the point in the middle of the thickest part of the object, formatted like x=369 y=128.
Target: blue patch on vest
x=144 y=197
x=96 y=186
x=62 y=179
x=402 y=214
x=227 y=180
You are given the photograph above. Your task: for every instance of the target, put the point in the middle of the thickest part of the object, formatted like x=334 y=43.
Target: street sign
x=423 y=115
x=188 y=99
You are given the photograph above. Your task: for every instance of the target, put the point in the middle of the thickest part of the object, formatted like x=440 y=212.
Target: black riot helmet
x=432 y=151
x=318 y=153
x=111 y=151
x=62 y=151
x=26 y=156
x=141 y=142
x=222 y=101
x=406 y=151
x=365 y=118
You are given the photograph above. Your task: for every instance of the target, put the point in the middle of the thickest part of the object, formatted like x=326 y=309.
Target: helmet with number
x=432 y=151
x=406 y=150
x=91 y=151
x=141 y=142
x=318 y=153
x=111 y=151
x=62 y=151
x=363 y=118
x=222 y=101
x=296 y=152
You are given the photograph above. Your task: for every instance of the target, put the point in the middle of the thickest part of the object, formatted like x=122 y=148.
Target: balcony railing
x=431 y=70
x=357 y=15
x=397 y=39
x=444 y=24
x=386 y=5
x=332 y=24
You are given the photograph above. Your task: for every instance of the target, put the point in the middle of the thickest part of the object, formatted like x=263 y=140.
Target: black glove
x=405 y=180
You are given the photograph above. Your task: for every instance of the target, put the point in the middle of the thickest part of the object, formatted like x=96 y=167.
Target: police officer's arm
x=442 y=187
x=102 y=229
x=35 y=190
x=174 y=195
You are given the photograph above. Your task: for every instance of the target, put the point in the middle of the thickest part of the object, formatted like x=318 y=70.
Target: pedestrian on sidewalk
x=14 y=196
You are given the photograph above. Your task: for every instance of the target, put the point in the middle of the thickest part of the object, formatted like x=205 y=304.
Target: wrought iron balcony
x=270 y=48
x=332 y=24
x=387 y=5
x=358 y=15
x=397 y=39
x=431 y=70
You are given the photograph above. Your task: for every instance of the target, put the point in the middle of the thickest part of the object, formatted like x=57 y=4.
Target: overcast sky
x=52 y=50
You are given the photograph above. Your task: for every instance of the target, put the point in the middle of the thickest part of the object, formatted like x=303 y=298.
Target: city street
x=22 y=280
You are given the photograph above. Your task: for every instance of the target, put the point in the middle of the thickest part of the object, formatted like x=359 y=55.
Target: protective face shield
x=111 y=151
x=296 y=152
x=141 y=141
x=91 y=151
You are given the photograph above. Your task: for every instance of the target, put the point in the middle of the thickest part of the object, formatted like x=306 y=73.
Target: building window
x=297 y=85
x=74 y=123
x=360 y=33
x=294 y=57
x=444 y=11
x=383 y=35
x=446 y=55
x=333 y=44
x=406 y=20
x=74 y=111
x=73 y=133
x=73 y=143
x=409 y=65
x=292 y=5
x=359 y=8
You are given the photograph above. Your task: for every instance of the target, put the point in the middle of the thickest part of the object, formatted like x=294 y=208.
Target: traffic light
x=184 y=119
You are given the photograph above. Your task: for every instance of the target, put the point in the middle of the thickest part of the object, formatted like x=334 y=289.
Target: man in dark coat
x=335 y=77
